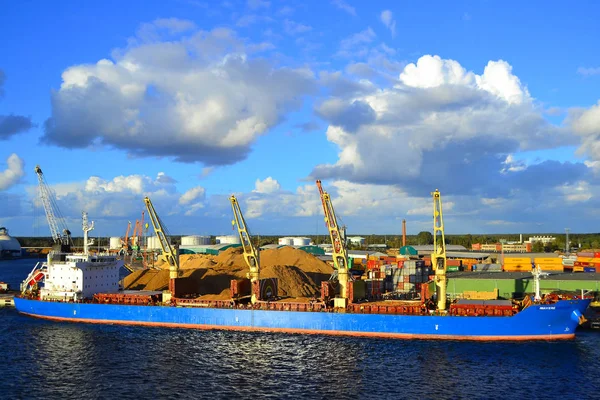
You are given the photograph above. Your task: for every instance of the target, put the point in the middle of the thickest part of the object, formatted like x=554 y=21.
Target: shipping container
x=517 y=260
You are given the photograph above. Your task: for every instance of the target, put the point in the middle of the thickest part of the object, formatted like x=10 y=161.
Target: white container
x=115 y=243
x=300 y=241
x=195 y=240
x=228 y=239
x=154 y=242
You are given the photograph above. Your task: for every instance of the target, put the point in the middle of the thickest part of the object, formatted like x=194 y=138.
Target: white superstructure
x=75 y=276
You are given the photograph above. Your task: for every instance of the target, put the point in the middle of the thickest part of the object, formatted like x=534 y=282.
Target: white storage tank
x=115 y=243
x=195 y=240
x=228 y=239
x=154 y=242
x=301 y=241
x=9 y=246
x=286 y=241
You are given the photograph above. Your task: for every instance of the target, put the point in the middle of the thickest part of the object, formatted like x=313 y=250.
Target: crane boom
x=251 y=255
x=439 y=250
x=340 y=253
x=167 y=249
x=56 y=221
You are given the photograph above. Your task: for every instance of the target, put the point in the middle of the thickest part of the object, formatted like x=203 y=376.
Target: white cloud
x=194 y=194
x=463 y=124
x=388 y=20
x=269 y=185
x=586 y=124
x=577 y=192
x=342 y=5
x=366 y=36
x=512 y=165
x=255 y=4
x=588 y=71
x=13 y=173
x=295 y=28
x=199 y=98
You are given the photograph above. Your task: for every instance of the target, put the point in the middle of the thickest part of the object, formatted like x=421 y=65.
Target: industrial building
x=9 y=246
x=356 y=240
x=515 y=284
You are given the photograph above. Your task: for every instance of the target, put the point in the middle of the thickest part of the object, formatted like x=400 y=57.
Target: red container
x=401 y=264
x=240 y=287
x=372 y=264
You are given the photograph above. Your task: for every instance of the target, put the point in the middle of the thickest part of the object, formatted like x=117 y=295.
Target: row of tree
x=577 y=241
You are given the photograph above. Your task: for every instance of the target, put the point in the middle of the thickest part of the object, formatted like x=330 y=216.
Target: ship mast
x=340 y=253
x=251 y=255
x=438 y=257
x=60 y=233
x=86 y=229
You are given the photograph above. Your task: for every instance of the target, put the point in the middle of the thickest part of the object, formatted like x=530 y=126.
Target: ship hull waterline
x=537 y=322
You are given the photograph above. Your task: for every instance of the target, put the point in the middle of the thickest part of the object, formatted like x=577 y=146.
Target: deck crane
x=340 y=253
x=251 y=254
x=167 y=249
x=60 y=233
x=438 y=257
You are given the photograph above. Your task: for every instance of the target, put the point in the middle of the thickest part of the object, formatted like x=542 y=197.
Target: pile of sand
x=298 y=272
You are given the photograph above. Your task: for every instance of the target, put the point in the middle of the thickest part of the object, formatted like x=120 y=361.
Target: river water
x=53 y=360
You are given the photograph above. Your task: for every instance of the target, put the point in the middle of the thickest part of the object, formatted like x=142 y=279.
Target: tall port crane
x=125 y=241
x=60 y=233
x=340 y=253
x=251 y=254
x=438 y=257
x=137 y=233
x=167 y=249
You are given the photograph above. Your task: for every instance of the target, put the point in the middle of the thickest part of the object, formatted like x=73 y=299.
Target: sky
x=496 y=104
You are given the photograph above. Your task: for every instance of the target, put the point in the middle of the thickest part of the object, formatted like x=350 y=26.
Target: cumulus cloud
x=13 y=173
x=269 y=185
x=389 y=22
x=441 y=125
x=586 y=124
x=11 y=124
x=202 y=97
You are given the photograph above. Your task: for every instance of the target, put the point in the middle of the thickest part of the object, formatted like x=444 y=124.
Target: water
x=51 y=360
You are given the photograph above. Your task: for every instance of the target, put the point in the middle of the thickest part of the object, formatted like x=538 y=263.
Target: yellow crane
x=167 y=250
x=340 y=253
x=438 y=257
x=251 y=255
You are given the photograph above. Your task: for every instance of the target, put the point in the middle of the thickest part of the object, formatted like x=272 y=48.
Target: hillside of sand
x=299 y=273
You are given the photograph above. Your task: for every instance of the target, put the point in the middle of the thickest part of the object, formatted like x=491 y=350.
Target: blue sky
x=494 y=103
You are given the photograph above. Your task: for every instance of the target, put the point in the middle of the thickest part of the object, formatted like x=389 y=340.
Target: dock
x=6 y=300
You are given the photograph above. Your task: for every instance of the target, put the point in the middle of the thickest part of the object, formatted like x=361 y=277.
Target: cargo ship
x=85 y=288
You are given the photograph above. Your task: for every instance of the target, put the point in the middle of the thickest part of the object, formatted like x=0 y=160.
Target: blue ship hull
x=536 y=322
